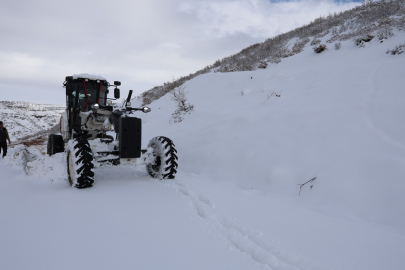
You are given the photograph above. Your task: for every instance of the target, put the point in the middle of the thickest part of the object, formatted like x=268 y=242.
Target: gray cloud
x=141 y=43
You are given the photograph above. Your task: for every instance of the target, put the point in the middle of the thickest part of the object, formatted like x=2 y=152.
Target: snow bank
x=34 y=161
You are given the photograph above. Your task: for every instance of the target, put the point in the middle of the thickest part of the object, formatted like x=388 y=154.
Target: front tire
x=55 y=144
x=165 y=166
x=80 y=167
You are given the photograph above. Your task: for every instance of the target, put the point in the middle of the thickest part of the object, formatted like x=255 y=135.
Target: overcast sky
x=141 y=43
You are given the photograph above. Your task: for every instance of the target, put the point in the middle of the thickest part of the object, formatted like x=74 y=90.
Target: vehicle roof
x=88 y=76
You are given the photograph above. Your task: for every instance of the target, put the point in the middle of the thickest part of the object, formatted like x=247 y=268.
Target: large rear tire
x=165 y=166
x=80 y=167
x=55 y=144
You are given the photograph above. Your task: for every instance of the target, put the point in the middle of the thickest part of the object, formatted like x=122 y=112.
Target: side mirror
x=116 y=93
x=117 y=83
x=146 y=109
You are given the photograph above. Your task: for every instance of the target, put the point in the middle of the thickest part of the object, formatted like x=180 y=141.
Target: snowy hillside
x=338 y=119
x=24 y=119
x=370 y=20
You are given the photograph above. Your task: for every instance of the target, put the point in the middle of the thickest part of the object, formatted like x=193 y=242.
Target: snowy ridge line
x=371 y=18
x=23 y=105
x=268 y=254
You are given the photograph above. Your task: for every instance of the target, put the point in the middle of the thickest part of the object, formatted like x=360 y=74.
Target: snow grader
x=87 y=130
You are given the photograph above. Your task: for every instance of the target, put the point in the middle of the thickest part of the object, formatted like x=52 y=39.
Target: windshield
x=96 y=93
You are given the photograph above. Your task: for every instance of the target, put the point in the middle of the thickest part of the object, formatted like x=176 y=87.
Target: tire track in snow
x=267 y=254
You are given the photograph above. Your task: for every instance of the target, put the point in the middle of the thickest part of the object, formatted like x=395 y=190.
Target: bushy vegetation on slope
x=361 y=24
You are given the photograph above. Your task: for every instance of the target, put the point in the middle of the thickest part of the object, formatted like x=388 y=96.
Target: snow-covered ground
x=242 y=153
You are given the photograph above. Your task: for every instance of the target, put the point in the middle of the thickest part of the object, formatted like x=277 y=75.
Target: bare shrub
x=274 y=94
x=322 y=34
x=309 y=181
x=299 y=45
x=338 y=46
x=315 y=41
x=385 y=33
x=397 y=50
x=179 y=95
x=146 y=100
x=334 y=36
x=363 y=39
x=400 y=22
x=262 y=64
x=320 y=48
x=274 y=60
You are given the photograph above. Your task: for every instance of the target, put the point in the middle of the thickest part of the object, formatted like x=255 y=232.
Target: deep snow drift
x=235 y=203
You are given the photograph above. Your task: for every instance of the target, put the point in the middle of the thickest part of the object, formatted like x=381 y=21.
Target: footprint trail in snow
x=252 y=244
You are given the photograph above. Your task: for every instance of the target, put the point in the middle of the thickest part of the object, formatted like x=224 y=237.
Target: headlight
x=95 y=106
x=146 y=109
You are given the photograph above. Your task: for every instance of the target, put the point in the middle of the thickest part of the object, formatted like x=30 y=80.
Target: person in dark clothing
x=3 y=139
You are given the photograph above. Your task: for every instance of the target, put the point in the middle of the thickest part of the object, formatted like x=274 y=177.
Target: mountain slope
x=371 y=19
x=338 y=119
x=24 y=119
